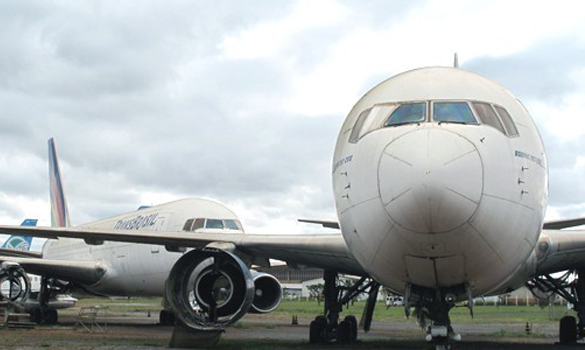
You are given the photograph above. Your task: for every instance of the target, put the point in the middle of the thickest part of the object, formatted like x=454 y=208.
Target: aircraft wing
x=19 y=253
x=84 y=272
x=327 y=251
x=560 y=250
x=559 y=224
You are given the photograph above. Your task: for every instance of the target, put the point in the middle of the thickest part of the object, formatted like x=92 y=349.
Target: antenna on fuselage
x=456 y=61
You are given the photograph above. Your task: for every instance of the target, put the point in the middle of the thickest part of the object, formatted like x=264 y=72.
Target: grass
x=482 y=314
x=487 y=314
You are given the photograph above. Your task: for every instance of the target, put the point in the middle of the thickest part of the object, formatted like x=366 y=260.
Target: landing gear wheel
x=353 y=327
x=568 y=330
x=166 y=318
x=344 y=333
x=51 y=316
x=35 y=316
x=318 y=330
x=347 y=332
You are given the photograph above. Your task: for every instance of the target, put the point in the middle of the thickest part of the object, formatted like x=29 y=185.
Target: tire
x=51 y=316
x=344 y=332
x=353 y=328
x=317 y=330
x=568 y=330
x=35 y=316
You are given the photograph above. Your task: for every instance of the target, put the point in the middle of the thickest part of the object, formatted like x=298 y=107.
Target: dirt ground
x=139 y=330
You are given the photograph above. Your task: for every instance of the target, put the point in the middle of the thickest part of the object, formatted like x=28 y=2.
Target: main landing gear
x=327 y=328
x=50 y=288
x=573 y=291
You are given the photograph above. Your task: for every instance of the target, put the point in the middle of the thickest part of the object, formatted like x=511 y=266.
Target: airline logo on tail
x=59 y=209
x=19 y=242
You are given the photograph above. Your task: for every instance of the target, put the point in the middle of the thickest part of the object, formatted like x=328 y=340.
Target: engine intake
x=14 y=283
x=267 y=293
x=209 y=289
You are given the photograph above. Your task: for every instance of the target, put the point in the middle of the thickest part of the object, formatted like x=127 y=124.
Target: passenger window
x=188 y=224
x=198 y=224
x=507 y=120
x=453 y=112
x=486 y=113
x=214 y=223
x=408 y=113
x=357 y=127
x=230 y=224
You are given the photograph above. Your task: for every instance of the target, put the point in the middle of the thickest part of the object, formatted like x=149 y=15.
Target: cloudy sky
x=241 y=101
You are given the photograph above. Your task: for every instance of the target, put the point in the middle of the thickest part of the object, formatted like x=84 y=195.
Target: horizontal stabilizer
x=328 y=224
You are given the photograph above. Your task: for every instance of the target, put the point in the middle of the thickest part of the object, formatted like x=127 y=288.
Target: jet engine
x=267 y=293
x=209 y=289
x=14 y=283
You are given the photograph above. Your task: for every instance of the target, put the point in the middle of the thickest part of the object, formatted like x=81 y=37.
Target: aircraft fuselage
x=439 y=195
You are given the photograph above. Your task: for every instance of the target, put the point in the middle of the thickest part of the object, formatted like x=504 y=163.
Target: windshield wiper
x=403 y=123
x=453 y=122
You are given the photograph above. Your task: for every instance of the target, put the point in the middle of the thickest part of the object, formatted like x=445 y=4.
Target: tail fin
x=20 y=242
x=59 y=209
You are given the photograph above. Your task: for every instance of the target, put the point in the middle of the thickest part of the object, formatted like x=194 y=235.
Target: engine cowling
x=209 y=289
x=14 y=283
x=267 y=293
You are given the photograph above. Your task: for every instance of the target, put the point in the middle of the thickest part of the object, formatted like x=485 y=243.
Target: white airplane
x=20 y=246
x=440 y=182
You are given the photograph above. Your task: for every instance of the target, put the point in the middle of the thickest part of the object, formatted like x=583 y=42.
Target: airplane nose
x=430 y=180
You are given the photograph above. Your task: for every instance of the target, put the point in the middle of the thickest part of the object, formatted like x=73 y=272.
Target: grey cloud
x=544 y=71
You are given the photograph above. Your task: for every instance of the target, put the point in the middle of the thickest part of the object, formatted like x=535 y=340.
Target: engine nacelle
x=267 y=293
x=14 y=283
x=209 y=289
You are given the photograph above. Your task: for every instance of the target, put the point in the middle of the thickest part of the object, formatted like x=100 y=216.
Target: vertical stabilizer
x=20 y=242
x=59 y=209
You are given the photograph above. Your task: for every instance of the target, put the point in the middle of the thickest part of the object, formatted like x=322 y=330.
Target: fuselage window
x=486 y=113
x=199 y=223
x=188 y=224
x=357 y=127
x=230 y=225
x=453 y=112
x=408 y=113
x=511 y=129
x=214 y=223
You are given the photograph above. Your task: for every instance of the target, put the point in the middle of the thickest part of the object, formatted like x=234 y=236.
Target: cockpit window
x=198 y=224
x=486 y=113
x=453 y=112
x=188 y=224
x=408 y=113
x=511 y=129
x=214 y=223
x=357 y=128
x=230 y=224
